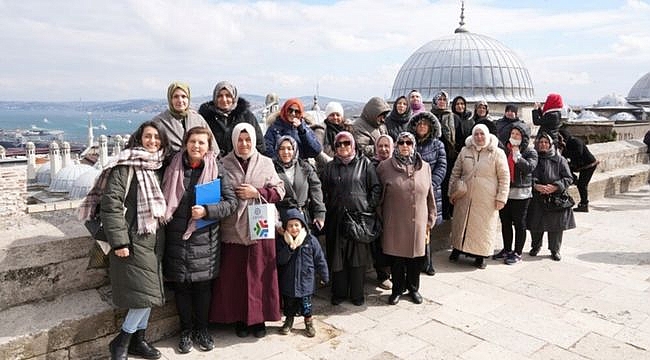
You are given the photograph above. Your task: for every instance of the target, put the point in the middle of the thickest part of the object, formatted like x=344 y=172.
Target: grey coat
x=136 y=280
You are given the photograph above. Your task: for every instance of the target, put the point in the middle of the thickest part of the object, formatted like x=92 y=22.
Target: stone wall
x=13 y=191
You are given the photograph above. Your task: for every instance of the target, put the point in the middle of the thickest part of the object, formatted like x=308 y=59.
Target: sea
x=74 y=123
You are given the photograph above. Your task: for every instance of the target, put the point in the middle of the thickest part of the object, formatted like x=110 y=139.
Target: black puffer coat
x=354 y=186
x=549 y=122
x=136 y=280
x=525 y=165
x=222 y=124
x=197 y=258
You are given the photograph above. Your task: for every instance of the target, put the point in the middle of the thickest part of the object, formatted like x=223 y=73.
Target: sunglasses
x=342 y=143
x=407 y=142
x=293 y=111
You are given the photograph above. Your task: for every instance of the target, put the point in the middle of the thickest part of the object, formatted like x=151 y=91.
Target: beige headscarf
x=170 y=92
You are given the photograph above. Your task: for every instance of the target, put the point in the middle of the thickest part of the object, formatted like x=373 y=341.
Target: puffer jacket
x=366 y=129
x=525 y=164
x=308 y=144
x=197 y=258
x=549 y=122
x=136 y=280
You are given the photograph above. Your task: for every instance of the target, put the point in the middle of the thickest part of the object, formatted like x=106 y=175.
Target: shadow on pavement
x=617 y=258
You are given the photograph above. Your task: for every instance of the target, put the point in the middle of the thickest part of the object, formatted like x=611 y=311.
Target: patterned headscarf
x=293 y=143
x=405 y=159
x=344 y=135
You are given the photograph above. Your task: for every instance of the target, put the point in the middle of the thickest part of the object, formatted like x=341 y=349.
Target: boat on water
x=19 y=138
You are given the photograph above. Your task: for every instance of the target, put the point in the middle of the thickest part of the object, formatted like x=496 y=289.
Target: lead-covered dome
x=640 y=92
x=472 y=65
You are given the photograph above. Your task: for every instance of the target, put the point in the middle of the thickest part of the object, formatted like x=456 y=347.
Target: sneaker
x=185 y=343
x=385 y=285
x=501 y=254
x=204 y=339
x=512 y=258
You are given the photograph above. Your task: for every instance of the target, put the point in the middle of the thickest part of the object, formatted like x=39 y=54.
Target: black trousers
x=193 y=303
x=582 y=183
x=512 y=215
x=406 y=274
x=554 y=240
x=348 y=283
x=381 y=262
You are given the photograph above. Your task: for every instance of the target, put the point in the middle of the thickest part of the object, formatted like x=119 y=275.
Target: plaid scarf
x=174 y=188
x=150 y=202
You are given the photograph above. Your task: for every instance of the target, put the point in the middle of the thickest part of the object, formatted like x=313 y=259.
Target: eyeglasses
x=342 y=143
x=293 y=111
x=407 y=142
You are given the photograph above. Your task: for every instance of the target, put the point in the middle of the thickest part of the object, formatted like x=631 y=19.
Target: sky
x=132 y=49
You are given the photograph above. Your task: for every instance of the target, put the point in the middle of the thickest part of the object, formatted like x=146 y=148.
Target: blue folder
x=207 y=194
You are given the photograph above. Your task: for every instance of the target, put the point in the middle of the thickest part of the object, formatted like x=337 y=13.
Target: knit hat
x=333 y=107
x=553 y=103
x=512 y=107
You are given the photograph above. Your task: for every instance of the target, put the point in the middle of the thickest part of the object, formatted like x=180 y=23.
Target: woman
x=302 y=185
x=383 y=150
x=483 y=168
x=349 y=183
x=335 y=122
x=292 y=122
x=521 y=163
x=192 y=253
x=482 y=116
x=462 y=120
x=581 y=161
x=549 y=117
x=408 y=210
x=224 y=111
x=439 y=109
x=551 y=176
x=246 y=291
x=178 y=118
x=397 y=120
x=426 y=129
x=132 y=208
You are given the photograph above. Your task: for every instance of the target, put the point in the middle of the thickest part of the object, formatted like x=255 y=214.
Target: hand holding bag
x=261 y=220
x=363 y=227
x=558 y=201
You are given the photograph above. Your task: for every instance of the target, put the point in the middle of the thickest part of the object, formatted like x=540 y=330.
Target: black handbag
x=363 y=227
x=558 y=201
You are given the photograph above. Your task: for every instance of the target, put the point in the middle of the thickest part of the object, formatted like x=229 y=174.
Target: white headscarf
x=485 y=132
x=250 y=130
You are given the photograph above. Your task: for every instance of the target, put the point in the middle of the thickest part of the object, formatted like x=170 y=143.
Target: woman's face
x=224 y=99
x=479 y=137
x=335 y=118
x=150 y=139
x=180 y=102
x=244 y=144
x=422 y=129
x=459 y=107
x=197 y=145
x=286 y=151
x=415 y=98
x=515 y=134
x=543 y=144
x=405 y=146
x=481 y=110
x=293 y=227
x=343 y=147
x=383 y=148
x=441 y=103
x=401 y=106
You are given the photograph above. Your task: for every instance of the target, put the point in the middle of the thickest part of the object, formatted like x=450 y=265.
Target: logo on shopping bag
x=262 y=228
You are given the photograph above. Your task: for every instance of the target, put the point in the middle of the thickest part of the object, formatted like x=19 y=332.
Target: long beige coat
x=474 y=224
x=408 y=207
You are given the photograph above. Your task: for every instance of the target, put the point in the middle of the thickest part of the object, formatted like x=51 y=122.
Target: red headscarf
x=553 y=103
x=284 y=112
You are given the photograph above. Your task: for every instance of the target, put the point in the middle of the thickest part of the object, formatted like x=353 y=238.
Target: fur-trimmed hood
x=434 y=125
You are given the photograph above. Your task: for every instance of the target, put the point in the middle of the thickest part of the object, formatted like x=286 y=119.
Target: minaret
x=103 y=150
x=65 y=155
x=3 y=153
x=55 y=160
x=31 y=161
x=91 y=138
x=118 y=143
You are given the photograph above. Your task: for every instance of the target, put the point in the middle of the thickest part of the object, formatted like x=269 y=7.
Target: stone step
x=616 y=181
x=74 y=326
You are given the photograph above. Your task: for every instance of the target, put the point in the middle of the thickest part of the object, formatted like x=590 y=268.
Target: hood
x=434 y=124
x=525 y=134
x=373 y=108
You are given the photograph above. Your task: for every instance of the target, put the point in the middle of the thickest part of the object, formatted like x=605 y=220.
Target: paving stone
x=553 y=352
x=506 y=338
x=458 y=319
x=609 y=311
x=445 y=340
x=619 y=280
x=346 y=346
x=635 y=337
x=487 y=350
x=588 y=321
x=598 y=347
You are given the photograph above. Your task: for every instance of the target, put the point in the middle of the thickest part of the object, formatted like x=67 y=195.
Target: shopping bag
x=261 y=221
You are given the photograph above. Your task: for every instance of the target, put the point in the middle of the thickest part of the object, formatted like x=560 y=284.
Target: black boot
x=119 y=346
x=140 y=347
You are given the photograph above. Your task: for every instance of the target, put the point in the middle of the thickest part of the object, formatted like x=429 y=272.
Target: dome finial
x=462 y=18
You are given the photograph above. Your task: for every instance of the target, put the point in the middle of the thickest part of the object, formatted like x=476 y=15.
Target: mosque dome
x=43 y=174
x=64 y=179
x=83 y=184
x=613 y=100
x=640 y=92
x=472 y=65
x=623 y=116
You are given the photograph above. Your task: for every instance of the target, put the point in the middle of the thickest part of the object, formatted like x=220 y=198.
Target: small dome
x=43 y=174
x=83 y=184
x=64 y=179
x=612 y=100
x=588 y=115
x=640 y=92
x=623 y=116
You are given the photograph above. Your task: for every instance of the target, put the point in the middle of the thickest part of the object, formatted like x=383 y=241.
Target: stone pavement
x=594 y=304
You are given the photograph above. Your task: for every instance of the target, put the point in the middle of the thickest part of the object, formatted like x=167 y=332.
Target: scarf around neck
x=294 y=243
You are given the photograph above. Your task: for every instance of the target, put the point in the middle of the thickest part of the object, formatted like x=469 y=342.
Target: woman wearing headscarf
x=462 y=120
x=132 y=210
x=415 y=102
x=408 y=210
x=551 y=176
x=521 y=163
x=301 y=183
x=179 y=118
x=224 y=111
x=483 y=168
x=397 y=120
x=383 y=150
x=440 y=109
x=426 y=128
x=246 y=291
x=482 y=116
x=291 y=122
x=192 y=252
x=349 y=183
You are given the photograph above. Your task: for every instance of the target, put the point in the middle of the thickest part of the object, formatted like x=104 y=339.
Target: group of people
x=396 y=172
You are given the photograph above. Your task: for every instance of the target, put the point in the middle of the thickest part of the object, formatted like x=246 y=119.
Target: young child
x=299 y=256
